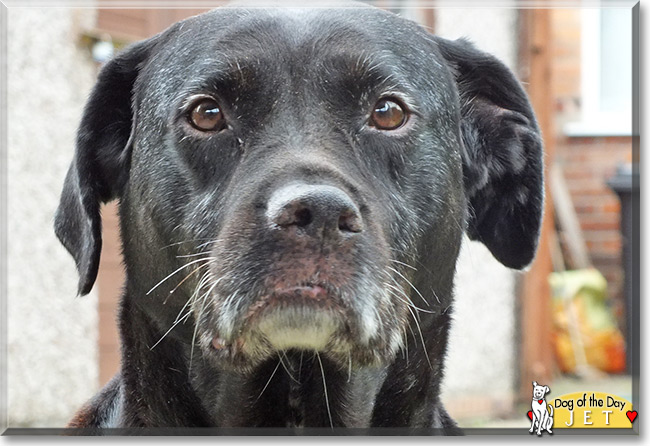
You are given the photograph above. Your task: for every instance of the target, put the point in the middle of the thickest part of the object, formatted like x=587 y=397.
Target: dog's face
x=539 y=392
x=306 y=171
x=304 y=155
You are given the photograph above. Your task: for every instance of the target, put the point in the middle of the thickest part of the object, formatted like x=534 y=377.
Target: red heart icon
x=631 y=415
x=530 y=414
x=540 y=401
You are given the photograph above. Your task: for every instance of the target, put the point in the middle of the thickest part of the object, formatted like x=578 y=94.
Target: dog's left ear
x=503 y=157
x=548 y=389
x=100 y=166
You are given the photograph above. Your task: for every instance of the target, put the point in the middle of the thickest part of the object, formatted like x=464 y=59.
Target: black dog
x=293 y=187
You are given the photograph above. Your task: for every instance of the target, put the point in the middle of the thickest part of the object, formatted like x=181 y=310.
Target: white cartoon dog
x=542 y=418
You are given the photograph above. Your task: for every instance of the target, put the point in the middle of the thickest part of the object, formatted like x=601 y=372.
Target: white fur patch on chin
x=295 y=328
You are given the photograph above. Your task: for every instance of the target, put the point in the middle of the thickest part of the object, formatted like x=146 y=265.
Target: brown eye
x=387 y=115
x=206 y=115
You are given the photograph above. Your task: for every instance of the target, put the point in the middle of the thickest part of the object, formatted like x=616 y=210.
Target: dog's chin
x=306 y=318
x=298 y=327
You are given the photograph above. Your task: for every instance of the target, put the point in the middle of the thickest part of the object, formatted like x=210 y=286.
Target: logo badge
x=581 y=410
x=541 y=413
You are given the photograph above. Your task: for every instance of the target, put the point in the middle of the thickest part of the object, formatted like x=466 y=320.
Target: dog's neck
x=301 y=389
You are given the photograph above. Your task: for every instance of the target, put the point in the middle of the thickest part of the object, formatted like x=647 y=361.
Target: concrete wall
x=52 y=336
x=491 y=29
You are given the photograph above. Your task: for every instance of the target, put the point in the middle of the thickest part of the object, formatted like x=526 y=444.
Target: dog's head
x=539 y=392
x=308 y=173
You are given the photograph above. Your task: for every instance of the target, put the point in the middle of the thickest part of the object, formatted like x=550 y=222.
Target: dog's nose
x=325 y=209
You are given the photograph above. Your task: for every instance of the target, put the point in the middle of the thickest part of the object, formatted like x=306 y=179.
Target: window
x=606 y=74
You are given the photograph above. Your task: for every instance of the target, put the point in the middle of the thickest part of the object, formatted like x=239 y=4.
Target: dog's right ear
x=502 y=154
x=534 y=383
x=100 y=166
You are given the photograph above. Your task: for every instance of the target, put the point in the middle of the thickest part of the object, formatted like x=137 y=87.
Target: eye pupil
x=207 y=116
x=388 y=115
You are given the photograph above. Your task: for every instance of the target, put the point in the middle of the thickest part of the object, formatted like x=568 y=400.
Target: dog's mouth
x=306 y=316
x=309 y=295
x=309 y=316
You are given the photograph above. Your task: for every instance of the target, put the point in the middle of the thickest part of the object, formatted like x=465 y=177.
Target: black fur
x=296 y=89
x=502 y=149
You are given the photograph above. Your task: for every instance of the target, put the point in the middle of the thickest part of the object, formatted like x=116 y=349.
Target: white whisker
x=409 y=282
x=182 y=281
x=409 y=302
x=268 y=382
x=170 y=329
x=349 y=366
x=424 y=347
x=327 y=402
x=188 y=302
x=406 y=344
x=211 y=242
x=179 y=269
x=198 y=318
x=404 y=264
x=184 y=241
x=284 y=366
x=184 y=256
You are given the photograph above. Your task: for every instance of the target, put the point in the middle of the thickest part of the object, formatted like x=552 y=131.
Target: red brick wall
x=565 y=70
x=587 y=165
x=110 y=280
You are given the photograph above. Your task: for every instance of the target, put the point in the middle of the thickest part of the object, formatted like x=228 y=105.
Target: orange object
x=585 y=331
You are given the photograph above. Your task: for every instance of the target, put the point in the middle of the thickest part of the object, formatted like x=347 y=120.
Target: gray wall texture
x=52 y=336
x=52 y=354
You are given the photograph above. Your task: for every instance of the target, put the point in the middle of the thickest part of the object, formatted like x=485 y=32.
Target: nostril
x=294 y=215
x=303 y=217
x=350 y=222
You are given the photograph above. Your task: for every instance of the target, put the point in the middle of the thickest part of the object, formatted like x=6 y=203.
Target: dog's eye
x=206 y=115
x=388 y=114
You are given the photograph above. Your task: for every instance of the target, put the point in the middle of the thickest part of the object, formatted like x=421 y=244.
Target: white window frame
x=594 y=120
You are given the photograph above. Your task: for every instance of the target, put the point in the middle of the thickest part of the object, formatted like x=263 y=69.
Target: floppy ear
x=100 y=166
x=503 y=156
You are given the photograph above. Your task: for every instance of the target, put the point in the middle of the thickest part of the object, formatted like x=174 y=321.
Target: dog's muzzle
x=307 y=277
x=309 y=314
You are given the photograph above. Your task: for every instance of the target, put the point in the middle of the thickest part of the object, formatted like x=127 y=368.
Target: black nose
x=321 y=208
